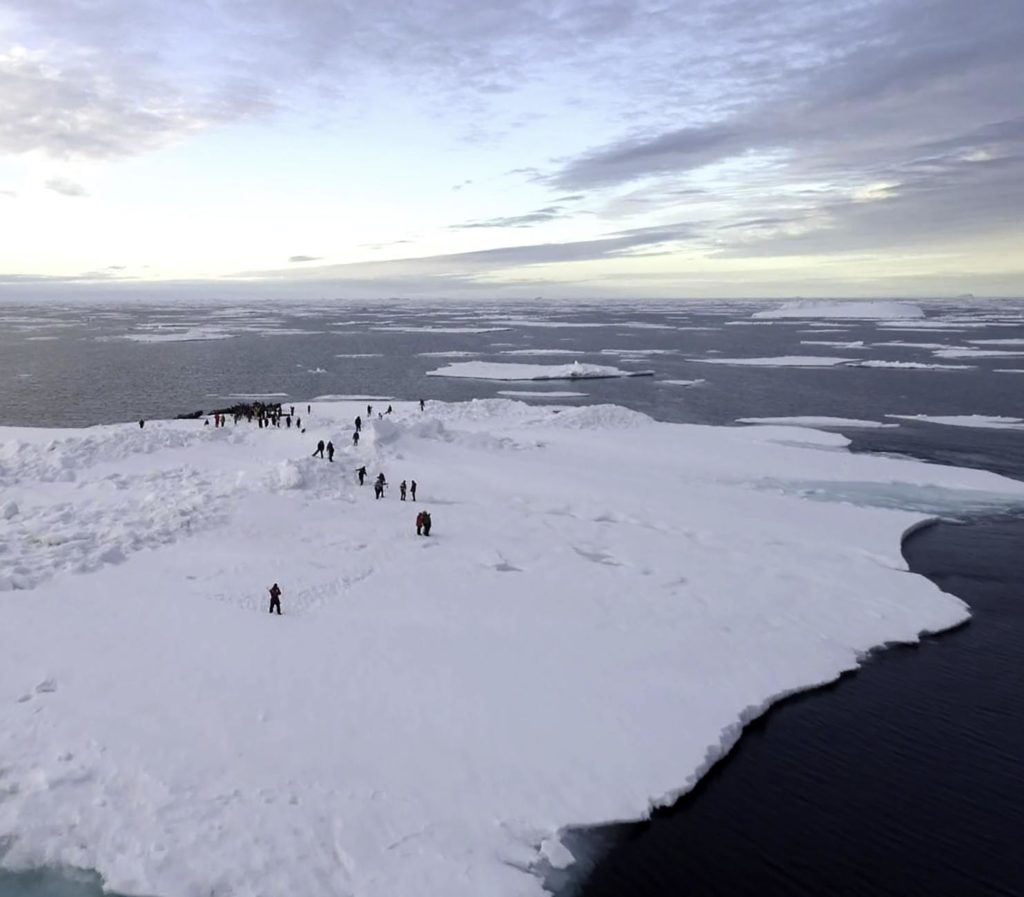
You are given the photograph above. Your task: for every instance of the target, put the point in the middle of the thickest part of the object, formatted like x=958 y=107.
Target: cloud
x=540 y=216
x=66 y=187
x=480 y=264
x=304 y=258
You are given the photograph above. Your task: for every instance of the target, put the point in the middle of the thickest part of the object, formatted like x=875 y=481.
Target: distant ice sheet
x=681 y=382
x=360 y=355
x=809 y=421
x=486 y=370
x=780 y=361
x=852 y=344
x=861 y=310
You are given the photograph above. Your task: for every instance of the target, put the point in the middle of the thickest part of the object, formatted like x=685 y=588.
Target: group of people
x=273 y=414
x=266 y=415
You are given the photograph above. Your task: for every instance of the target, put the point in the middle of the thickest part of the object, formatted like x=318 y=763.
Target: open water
x=904 y=778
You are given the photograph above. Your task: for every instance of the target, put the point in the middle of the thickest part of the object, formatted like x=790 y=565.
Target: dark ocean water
x=905 y=778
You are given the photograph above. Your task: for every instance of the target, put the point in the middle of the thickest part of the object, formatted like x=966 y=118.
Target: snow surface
x=966 y=420
x=810 y=421
x=487 y=370
x=604 y=602
x=861 y=310
x=780 y=361
x=682 y=382
x=835 y=344
x=396 y=328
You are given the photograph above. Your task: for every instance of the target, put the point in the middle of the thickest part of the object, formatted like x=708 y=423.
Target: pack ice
x=603 y=602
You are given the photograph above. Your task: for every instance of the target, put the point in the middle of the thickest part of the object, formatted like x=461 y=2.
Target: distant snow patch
x=193 y=335
x=861 y=310
x=853 y=344
x=351 y=398
x=681 y=382
x=486 y=370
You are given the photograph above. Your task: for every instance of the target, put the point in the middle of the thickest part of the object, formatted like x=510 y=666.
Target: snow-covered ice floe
x=835 y=344
x=397 y=328
x=681 y=382
x=487 y=370
x=429 y=713
x=966 y=420
x=858 y=310
x=781 y=361
x=810 y=421
x=972 y=352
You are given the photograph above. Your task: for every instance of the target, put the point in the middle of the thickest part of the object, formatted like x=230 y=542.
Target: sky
x=461 y=148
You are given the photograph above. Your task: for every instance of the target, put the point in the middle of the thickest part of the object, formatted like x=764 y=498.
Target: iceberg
x=429 y=714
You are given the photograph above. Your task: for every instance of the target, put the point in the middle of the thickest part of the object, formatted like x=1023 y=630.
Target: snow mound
x=863 y=310
x=287 y=475
x=600 y=417
x=487 y=370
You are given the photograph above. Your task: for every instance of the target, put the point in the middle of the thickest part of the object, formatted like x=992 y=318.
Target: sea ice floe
x=912 y=365
x=397 y=328
x=780 y=361
x=429 y=713
x=970 y=352
x=966 y=420
x=553 y=394
x=680 y=382
x=852 y=344
x=486 y=370
x=196 y=334
x=839 y=309
x=811 y=421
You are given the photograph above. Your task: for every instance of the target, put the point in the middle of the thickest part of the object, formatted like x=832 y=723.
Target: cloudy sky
x=334 y=148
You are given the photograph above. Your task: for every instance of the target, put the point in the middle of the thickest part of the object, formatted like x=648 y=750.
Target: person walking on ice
x=359 y=423
x=378 y=486
x=401 y=490
x=319 y=449
x=419 y=524
x=330 y=451
x=412 y=489
x=422 y=405
x=361 y=473
x=355 y=438
x=275 y=599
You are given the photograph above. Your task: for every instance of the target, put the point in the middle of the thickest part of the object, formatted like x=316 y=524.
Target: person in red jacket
x=419 y=524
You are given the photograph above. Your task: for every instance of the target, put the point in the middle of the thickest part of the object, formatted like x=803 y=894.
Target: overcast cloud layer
x=716 y=147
